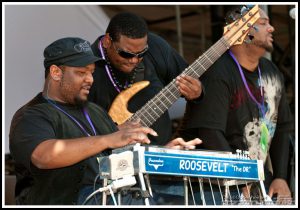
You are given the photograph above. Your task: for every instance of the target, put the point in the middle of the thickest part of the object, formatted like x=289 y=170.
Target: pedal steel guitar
x=216 y=167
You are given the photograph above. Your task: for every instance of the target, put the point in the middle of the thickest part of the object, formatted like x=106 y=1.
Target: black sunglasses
x=127 y=55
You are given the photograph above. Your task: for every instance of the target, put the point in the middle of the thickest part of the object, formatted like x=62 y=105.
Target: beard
x=70 y=96
x=264 y=45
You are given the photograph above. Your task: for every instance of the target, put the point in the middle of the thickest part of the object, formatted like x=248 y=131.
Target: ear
x=55 y=73
x=106 y=41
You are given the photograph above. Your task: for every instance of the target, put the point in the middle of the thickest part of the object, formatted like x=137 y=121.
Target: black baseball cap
x=69 y=51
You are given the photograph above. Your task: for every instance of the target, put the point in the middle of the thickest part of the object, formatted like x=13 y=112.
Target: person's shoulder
x=96 y=51
x=158 y=41
x=154 y=37
x=270 y=67
x=26 y=109
x=38 y=99
x=96 y=42
x=266 y=62
x=222 y=66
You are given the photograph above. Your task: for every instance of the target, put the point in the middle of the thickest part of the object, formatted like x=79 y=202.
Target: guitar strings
x=169 y=94
x=155 y=107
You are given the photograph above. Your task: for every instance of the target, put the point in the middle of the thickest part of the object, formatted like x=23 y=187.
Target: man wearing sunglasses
x=132 y=54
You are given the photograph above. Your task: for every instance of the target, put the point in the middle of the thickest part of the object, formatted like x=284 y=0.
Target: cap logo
x=82 y=47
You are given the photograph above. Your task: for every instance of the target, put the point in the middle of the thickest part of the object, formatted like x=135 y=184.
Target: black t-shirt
x=160 y=66
x=38 y=122
x=228 y=109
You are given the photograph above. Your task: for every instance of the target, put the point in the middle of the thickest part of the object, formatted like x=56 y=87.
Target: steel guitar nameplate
x=201 y=166
x=194 y=163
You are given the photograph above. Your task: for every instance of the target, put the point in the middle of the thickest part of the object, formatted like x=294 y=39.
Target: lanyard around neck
x=260 y=105
x=76 y=121
x=106 y=66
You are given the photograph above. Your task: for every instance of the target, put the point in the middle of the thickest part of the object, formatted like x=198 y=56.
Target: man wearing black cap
x=55 y=139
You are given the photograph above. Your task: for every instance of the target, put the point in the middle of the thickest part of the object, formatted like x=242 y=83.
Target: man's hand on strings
x=189 y=87
x=179 y=143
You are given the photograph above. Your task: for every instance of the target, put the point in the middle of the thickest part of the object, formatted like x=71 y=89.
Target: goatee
x=264 y=45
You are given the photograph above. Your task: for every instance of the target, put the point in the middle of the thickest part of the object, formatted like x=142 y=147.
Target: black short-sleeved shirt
x=160 y=66
x=39 y=121
x=228 y=109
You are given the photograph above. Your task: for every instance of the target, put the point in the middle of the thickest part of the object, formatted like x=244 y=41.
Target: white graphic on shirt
x=252 y=130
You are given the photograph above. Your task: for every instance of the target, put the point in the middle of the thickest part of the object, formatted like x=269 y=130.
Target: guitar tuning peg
x=244 y=10
x=232 y=17
x=249 y=6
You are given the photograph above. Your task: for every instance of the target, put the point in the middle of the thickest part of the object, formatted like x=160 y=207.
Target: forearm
x=57 y=153
x=280 y=145
x=213 y=139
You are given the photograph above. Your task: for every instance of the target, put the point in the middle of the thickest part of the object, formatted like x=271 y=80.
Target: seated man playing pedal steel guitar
x=57 y=138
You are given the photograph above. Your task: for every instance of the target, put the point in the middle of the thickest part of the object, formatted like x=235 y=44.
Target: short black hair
x=127 y=24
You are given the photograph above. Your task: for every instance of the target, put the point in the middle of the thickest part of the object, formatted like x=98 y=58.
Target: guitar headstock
x=240 y=22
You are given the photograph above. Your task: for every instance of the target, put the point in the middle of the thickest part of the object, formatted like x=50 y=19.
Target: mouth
x=127 y=68
x=86 y=89
x=131 y=65
x=271 y=38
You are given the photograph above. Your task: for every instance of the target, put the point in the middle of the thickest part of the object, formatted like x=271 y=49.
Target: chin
x=81 y=101
x=269 y=48
x=127 y=70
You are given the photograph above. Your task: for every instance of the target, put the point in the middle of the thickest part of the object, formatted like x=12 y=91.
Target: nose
x=89 y=78
x=271 y=29
x=135 y=59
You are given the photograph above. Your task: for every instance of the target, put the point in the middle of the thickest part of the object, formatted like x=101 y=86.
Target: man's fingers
x=271 y=192
x=149 y=131
x=188 y=86
x=179 y=143
x=139 y=137
x=194 y=142
x=140 y=134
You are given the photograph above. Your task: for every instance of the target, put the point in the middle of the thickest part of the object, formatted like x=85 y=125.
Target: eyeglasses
x=128 y=55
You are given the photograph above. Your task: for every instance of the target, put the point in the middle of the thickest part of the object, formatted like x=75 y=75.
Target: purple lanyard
x=74 y=120
x=106 y=66
x=260 y=105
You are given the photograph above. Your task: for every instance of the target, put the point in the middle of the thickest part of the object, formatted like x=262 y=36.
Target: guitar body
x=118 y=110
